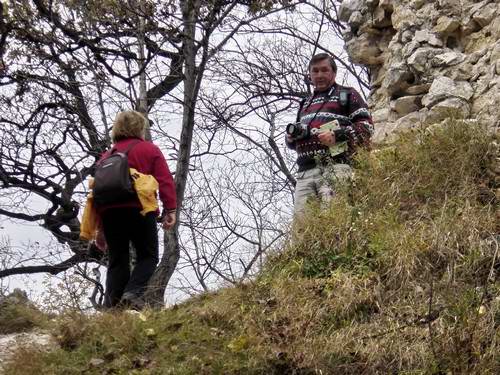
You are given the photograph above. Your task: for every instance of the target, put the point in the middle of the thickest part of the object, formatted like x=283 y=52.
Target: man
x=316 y=148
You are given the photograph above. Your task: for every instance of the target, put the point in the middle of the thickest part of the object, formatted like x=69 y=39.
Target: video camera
x=299 y=131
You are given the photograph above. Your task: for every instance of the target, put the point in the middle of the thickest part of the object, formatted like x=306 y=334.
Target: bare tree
x=242 y=175
x=69 y=67
x=207 y=28
x=228 y=74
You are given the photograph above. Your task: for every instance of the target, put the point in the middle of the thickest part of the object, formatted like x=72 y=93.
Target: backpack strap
x=344 y=98
x=130 y=146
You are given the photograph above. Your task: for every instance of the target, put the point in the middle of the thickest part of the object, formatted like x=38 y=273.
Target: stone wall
x=428 y=58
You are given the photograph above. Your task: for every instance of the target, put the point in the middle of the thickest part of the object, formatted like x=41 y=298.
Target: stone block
x=425 y=36
x=380 y=18
x=485 y=15
x=421 y=58
x=406 y=104
x=364 y=50
x=448 y=59
x=403 y=18
x=449 y=107
x=347 y=8
x=381 y=115
x=418 y=89
x=446 y=25
x=443 y=88
x=356 y=19
x=396 y=79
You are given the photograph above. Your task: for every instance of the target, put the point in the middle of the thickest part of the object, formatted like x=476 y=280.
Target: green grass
x=399 y=274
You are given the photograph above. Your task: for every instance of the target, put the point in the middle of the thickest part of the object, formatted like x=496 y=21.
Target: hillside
x=398 y=275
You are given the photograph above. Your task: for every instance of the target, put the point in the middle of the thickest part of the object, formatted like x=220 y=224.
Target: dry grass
x=397 y=275
x=20 y=317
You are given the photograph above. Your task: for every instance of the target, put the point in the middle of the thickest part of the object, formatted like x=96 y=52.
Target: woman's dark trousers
x=121 y=227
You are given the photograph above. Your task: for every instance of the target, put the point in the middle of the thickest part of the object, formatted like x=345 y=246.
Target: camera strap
x=309 y=102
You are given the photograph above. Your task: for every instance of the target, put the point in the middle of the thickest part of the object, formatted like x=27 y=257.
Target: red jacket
x=148 y=159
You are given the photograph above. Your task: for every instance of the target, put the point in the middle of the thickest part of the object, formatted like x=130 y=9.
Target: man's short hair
x=320 y=57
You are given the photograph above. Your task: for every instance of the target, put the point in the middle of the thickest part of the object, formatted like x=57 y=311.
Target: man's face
x=322 y=75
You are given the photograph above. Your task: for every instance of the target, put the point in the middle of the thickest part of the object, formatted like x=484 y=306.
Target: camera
x=298 y=131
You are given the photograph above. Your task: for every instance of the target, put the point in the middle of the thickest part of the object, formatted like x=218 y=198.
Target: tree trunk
x=143 y=92
x=171 y=253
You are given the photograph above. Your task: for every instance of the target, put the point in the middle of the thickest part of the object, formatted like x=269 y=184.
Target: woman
x=123 y=222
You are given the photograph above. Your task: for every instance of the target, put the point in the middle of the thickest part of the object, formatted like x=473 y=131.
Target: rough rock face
x=428 y=59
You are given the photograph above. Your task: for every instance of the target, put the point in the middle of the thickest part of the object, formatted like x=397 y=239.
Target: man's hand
x=168 y=220
x=327 y=137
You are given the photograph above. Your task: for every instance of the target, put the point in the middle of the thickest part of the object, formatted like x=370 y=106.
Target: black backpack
x=112 y=181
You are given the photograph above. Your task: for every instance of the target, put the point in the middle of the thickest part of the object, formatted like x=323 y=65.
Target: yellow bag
x=146 y=186
x=90 y=219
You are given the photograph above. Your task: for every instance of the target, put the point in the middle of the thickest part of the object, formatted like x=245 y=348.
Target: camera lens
x=291 y=129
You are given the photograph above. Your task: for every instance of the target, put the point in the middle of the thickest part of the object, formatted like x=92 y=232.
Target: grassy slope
x=398 y=276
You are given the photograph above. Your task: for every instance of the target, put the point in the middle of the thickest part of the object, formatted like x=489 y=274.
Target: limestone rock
x=449 y=107
x=364 y=50
x=403 y=18
x=406 y=36
x=381 y=18
x=377 y=76
x=494 y=28
x=409 y=48
x=444 y=87
x=489 y=102
x=356 y=19
x=409 y=121
x=485 y=15
x=495 y=53
x=96 y=362
x=421 y=58
x=417 y=4
x=386 y=4
x=347 y=8
x=381 y=115
x=462 y=72
x=446 y=25
x=428 y=59
x=396 y=79
x=452 y=7
x=448 y=58
x=425 y=36
x=418 y=89
x=406 y=104
x=474 y=57
x=42 y=341
x=470 y=26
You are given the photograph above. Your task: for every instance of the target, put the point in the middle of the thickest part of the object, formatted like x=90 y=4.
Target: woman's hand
x=169 y=220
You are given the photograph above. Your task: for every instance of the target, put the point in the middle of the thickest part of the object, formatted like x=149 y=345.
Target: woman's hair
x=128 y=124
